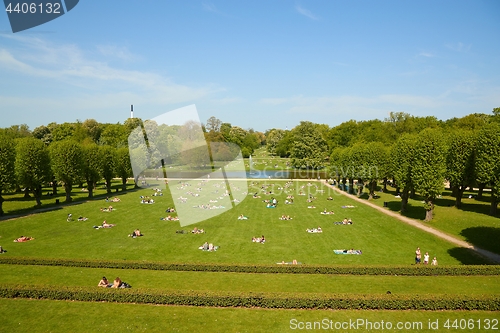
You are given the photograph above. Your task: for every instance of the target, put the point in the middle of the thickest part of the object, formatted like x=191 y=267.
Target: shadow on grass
x=487 y=238
x=468 y=256
x=46 y=207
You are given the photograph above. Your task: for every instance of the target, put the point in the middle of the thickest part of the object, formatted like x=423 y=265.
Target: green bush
x=261 y=300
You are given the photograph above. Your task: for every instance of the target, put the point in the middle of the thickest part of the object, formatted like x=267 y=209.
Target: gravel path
x=452 y=239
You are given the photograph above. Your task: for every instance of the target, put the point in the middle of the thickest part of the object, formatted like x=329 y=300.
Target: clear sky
x=256 y=64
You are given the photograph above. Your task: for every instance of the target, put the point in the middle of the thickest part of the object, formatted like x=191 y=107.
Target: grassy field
x=20 y=315
x=383 y=240
x=471 y=223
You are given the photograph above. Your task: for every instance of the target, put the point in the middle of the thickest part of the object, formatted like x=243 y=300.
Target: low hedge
x=261 y=300
x=410 y=270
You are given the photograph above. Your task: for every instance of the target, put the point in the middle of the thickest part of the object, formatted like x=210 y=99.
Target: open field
x=383 y=240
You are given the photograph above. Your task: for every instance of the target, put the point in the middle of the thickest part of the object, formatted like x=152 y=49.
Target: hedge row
x=264 y=300
x=412 y=270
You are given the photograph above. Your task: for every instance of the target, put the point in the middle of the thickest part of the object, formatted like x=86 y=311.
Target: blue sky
x=255 y=64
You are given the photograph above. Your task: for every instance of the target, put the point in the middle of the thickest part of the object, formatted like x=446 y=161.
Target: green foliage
x=429 y=166
x=272 y=140
x=488 y=161
x=32 y=165
x=92 y=166
x=67 y=163
x=7 y=166
x=261 y=300
x=309 y=149
x=107 y=157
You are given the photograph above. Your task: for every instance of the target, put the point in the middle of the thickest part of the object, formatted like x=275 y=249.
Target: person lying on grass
x=82 y=218
x=170 y=210
x=115 y=199
x=311 y=207
x=242 y=217
x=325 y=212
x=23 y=239
x=344 y=221
x=348 y=206
x=261 y=240
x=169 y=218
x=107 y=210
x=104 y=225
x=285 y=217
x=317 y=230
x=118 y=283
x=136 y=233
x=104 y=283
x=197 y=231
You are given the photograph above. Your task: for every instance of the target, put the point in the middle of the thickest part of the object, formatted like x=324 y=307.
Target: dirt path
x=490 y=255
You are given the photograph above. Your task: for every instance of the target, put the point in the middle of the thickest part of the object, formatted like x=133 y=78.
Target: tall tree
x=123 y=166
x=487 y=164
x=32 y=165
x=429 y=167
x=213 y=124
x=7 y=166
x=67 y=163
x=309 y=148
x=107 y=157
x=92 y=166
x=460 y=162
x=402 y=155
x=272 y=140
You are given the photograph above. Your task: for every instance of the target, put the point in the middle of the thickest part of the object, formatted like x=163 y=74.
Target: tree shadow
x=487 y=238
x=468 y=256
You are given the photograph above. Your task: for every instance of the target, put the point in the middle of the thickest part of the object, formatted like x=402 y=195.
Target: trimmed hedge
x=261 y=300
x=412 y=270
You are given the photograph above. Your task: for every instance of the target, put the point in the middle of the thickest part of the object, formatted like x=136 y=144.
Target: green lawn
x=383 y=240
x=21 y=315
x=471 y=223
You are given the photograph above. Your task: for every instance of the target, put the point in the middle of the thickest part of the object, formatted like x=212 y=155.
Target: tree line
x=416 y=154
x=89 y=151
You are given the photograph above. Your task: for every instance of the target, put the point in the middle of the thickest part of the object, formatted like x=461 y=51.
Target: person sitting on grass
x=115 y=199
x=242 y=217
x=117 y=283
x=434 y=262
x=69 y=218
x=2 y=250
x=329 y=198
x=104 y=283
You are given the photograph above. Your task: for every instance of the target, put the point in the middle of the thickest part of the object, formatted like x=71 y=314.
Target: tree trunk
x=404 y=201
x=460 y=193
x=124 y=183
x=90 y=187
x=54 y=186
x=360 y=187
x=67 y=189
x=108 y=186
x=37 y=193
x=412 y=193
x=494 y=202
x=351 y=186
x=385 y=184
x=27 y=193
x=454 y=190
x=480 y=192
x=429 y=210
x=1 y=204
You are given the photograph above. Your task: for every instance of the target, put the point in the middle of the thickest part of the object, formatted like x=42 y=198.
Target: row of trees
x=420 y=163
x=418 y=153
x=28 y=162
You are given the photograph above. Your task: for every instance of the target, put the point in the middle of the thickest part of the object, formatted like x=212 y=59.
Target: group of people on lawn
x=418 y=258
